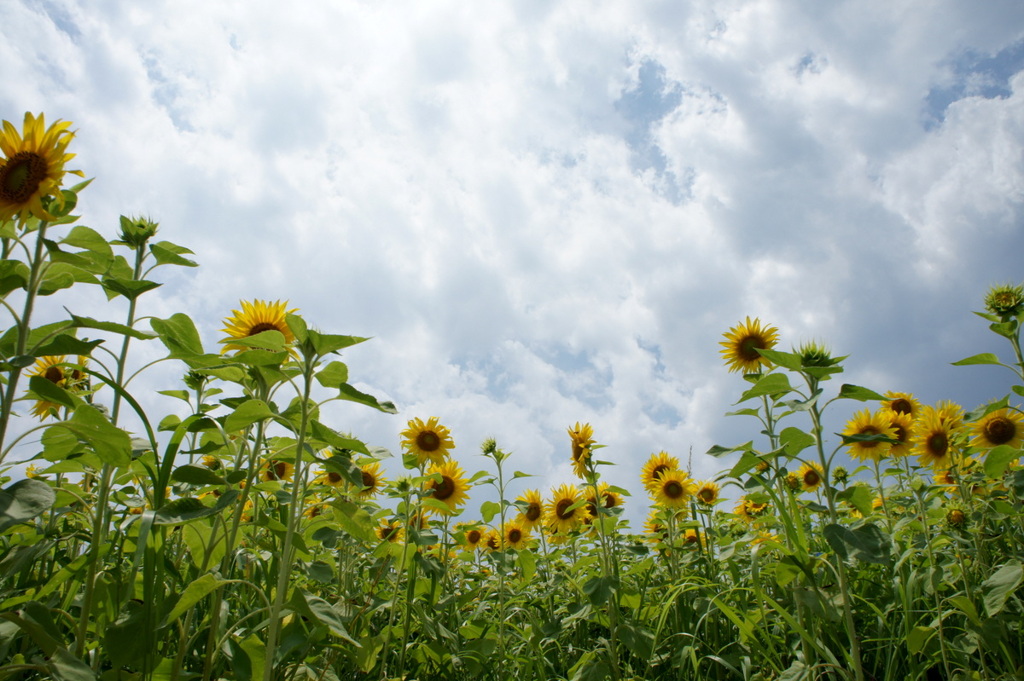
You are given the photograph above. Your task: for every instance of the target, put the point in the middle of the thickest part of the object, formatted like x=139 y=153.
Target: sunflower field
x=251 y=540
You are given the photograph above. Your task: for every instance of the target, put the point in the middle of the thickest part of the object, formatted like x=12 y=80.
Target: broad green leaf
x=795 y=440
x=918 y=638
x=178 y=333
x=48 y=391
x=129 y=288
x=24 y=500
x=325 y=344
x=122 y=639
x=247 y=413
x=998 y=587
x=336 y=439
x=186 y=510
x=983 y=358
x=332 y=375
x=167 y=253
x=321 y=611
x=600 y=589
x=998 y=460
x=63 y=344
x=867 y=542
x=193 y=593
x=271 y=339
x=89 y=239
x=718 y=450
x=196 y=475
x=347 y=392
x=111 y=444
x=787 y=360
x=858 y=496
x=63 y=666
x=89 y=323
x=769 y=384
x=14 y=275
x=855 y=392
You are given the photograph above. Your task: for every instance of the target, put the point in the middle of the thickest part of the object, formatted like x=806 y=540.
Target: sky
x=550 y=212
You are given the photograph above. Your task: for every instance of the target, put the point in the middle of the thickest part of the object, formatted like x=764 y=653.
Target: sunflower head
x=58 y=370
x=254 y=318
x=840 y=475
x=655 y=527
x=655 y=466
x=391 y=531
x=674 y=489
x=901 y=403
x=561 y=516
x=515 y=536
x=864 y=435
x=707 y=492
x=472 y=536
x=373 y=479
x=903 y=432
x=1005 y=300
x=811 y=476
x=135 y=232
x=331 y=478
x=816 y=355
x=1001 y=427
x=582 y=437
x=531 y=509
x=955 y=515
x=447 y=486
x=935 y=435
x=33 y=168
x=741 y=345
x=750 y=510
x=277 y=470
x=428 y=441
x=793 y=481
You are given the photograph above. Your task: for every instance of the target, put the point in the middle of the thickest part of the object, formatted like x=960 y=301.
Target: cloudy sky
x=549 y=212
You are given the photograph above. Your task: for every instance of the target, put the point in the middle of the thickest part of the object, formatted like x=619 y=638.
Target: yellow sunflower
x=582 y=443
x=903 y=426
x=331 y=479
x=472 y=536
x=561 y=517
x=277 y=470
x=391 y=531
x=741 y=345
x=609 y=499
x=933 y=441
x=866 y=423
x=655 y=528
x=750 y=510
x=451 y=489
x=257 y=317
x=373 y=479
x=944 y=478
x=428 y=441
x=57 y=370
x=810 y=475
x=533 y=514
x=707 y=492
x=1001 y=427
x=516 y=536
x=655 y=466
x=692 y=536
x=33 y=167
x=492 y=542
x=674 y=489
x=901 y=403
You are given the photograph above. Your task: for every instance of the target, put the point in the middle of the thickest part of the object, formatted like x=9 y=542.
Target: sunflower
x=946 y=478
x=561 y=517
x=390 y=530
x=331 y=479
x=582 y=444
x=33 y=167
x=277 y=470
x=609 y=499
x=257 y=317
x=492 y=542
x=692 y=536
x=313 y=511
x=655 y=466
x=742 y=343
x=472 y=536
x=810 y=476
x=901 y=403
x=956 y=516
x=373 y=480
x=1001 y=427
x=531 y=507
x=655 y=528
x=750 y=510
x=903 y=425
x=451 y=489
x=793 y=483
x=211 y=462
x=516 y=536
x=1005 y=300
x=866 y=423
x=428 y=441
x=57 y=370
x=707 y=492
x=674 y=489
x=933 y=441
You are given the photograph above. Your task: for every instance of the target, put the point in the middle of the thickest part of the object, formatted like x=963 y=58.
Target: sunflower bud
x=1005 y=300
x=135 y=232
x=814 y=354
x=840 y=475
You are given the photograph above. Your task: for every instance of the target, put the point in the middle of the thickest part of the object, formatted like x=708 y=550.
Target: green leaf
x=325 y=344
x=488 y=510
x=998 y=588
x=858 y=496
x=718 y=450
x=24 y=500
x=855 y=392
x=332 y=375
x=319 y=610
x=999 y=459
x=347 y=392
x=193 y=593
x=272 y=340
x=122 y=640
x=50 y=392
x=769 y=384
x=61 y=276
x=63 y=344
x=89 y=323
x=983 y=358
x=179 y=335
x=63 y=666
x=600 y=589
x=196 y=475
x=167 y=253
x=247 y=413
x=129 y=288
x=795 y=440
x=868 y=542
x=918 y=638
x=89 y=239
x=14 y=275
x=336 y=439
x=786 y=360
x=111 y=444
x=182 y=511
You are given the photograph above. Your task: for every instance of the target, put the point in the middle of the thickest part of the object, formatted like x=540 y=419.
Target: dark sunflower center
x=747 y=349
x=956 y=517
x=869 y=430
x=901 y=434
x=388 y=532
x=280 y=469
x=706 y=495
x=533 y=512
x=609 y=501
x=673 y=490
x=562 y=509
x=21 y=176
x=937 y=443
x=54 y=374
x=578 y=451
x=691 y=538
x=428 y=441
x=902 y=406
x=368 y=479
x=473 y=536
x=492 y=543
x=658 y=470
x=1000 y=430
x=261 y=327
x=514 y=535
x=811 y=478
x=335 y=478
x=444 y=489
